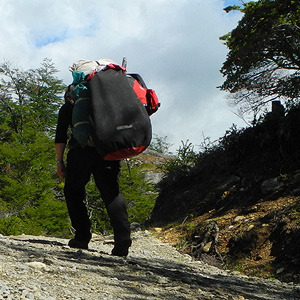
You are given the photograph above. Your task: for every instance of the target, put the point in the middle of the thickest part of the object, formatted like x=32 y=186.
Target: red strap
x=107 y=67
x=115 y=67
x=91 y=75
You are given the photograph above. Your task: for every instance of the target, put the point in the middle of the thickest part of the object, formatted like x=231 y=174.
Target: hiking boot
x=121 y=248
x=78 y=244
x=81 y=243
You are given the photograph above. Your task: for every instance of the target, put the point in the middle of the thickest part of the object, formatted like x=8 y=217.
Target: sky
x=173 y=44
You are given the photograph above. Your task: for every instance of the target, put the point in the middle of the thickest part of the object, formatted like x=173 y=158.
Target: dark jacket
x=64 y=122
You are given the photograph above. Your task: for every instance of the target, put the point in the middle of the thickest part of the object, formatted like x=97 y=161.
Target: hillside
x=239 y=206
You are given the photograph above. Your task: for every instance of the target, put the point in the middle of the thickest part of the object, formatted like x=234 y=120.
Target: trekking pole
x=124 y=62
x=129 y=171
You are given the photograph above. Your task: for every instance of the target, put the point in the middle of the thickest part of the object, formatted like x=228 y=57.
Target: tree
x=263 y=63
x=185 y=159
x=29 y=98
x=160 y=144
x=29 y=102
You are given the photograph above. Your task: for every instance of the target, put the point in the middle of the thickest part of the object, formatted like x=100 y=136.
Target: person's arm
x=60 y=150
x=61 y=137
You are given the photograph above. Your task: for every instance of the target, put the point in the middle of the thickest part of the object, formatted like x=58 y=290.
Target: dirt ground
x=260 y=242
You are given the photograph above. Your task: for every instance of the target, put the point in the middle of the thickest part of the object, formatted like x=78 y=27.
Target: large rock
x=271 y=186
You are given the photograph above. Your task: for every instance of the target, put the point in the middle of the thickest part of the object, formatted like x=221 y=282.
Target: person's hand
x=61 y=170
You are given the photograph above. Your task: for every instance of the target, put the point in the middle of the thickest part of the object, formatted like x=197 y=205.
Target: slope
x=248 y=187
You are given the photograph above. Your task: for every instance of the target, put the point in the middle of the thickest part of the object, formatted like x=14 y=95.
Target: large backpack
x=112 y=110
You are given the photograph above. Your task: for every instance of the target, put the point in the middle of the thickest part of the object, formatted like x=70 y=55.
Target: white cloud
x=174 y=45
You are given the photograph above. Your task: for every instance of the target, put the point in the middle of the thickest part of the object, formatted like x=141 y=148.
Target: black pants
x=81 y=163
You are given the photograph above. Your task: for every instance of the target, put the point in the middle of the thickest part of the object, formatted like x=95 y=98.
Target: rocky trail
x=45 y=268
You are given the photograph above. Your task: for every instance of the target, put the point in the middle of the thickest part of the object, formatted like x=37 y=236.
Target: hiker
x=81 y=163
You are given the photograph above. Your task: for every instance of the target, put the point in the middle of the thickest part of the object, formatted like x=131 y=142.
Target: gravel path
x=44 y=268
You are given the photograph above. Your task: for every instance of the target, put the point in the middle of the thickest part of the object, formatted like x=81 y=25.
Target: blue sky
x=174 y=45
x=232 y=2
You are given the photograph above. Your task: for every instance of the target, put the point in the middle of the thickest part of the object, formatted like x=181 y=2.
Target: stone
x=37 y=265
x=250 y=227
x=238 y=219
x=152 y=270
x=207 y=247
x=227 y=184
x=271 y=186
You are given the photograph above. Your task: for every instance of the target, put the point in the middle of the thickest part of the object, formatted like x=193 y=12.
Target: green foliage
x=27 y=176
x=139 y=194
x=230 y=140
x=231 y=8
x=160 y=144
x=29 y=99
x=29 y=188
x=185 y=159
x=263 y=61
x=97 y=211
x=49 y=218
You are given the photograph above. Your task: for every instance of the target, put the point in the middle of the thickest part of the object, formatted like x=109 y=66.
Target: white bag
x=88 y=66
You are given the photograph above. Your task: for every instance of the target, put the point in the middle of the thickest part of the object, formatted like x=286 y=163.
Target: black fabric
x=63 y=122
x=81 y=163
x=119 y=119
x=139 y=79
